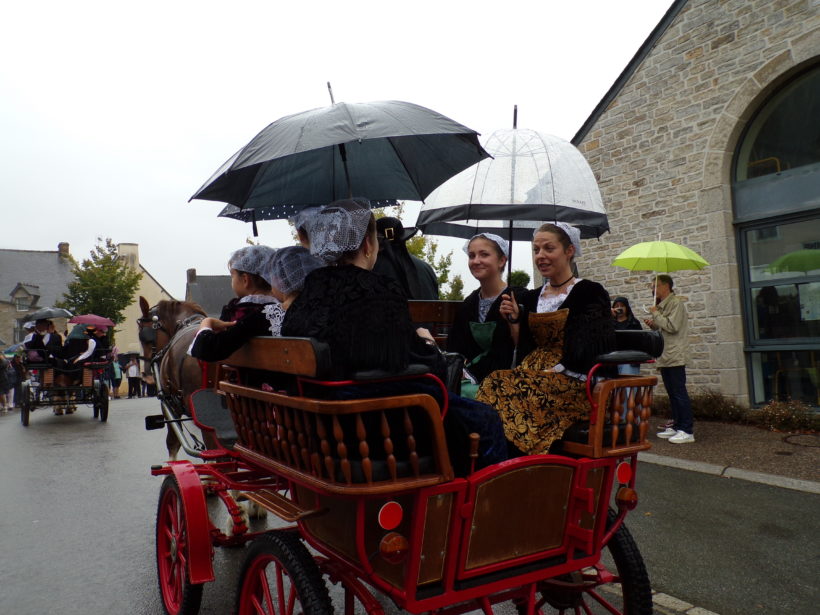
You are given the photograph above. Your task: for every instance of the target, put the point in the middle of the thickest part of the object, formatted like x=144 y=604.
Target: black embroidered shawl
x=364 y=319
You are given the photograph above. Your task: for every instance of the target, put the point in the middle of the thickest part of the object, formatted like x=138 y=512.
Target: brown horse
x=166 y=331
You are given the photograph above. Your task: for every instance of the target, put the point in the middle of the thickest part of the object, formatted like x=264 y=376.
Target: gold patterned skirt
x=537 y=406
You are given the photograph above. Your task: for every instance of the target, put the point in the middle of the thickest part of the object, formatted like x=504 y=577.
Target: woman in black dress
x=365 y=320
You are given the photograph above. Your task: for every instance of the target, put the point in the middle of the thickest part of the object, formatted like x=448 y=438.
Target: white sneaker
x=667 y=433
x=682 y=438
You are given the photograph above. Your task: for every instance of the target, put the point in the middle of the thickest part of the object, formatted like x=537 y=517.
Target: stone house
x=210 y=292
x=710 y=137
x=32 y=279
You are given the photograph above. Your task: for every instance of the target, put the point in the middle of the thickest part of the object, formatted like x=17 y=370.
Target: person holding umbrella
x=559 y=329
x=480 y=332
x=670 y=318
x=43 y=340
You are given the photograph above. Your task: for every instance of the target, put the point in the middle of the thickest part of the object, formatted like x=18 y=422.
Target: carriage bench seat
x=619 y=407
x=356 y=446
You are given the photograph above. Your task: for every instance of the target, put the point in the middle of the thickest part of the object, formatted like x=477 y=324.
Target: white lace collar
x=258 y=299
x=552 y=302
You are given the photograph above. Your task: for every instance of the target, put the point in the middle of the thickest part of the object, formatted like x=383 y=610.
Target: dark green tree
x=519 y=278
x=103 y=284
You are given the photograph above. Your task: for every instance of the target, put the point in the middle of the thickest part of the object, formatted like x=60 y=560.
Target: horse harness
x=148 y=335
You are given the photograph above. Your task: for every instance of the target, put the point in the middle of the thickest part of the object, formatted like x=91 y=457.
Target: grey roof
x=629 y=70
x=43 y=270
x=211 y=292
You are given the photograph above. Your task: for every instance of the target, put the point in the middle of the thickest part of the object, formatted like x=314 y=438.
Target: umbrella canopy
x=532 y=178
x=91 y=319
x=799 y=261
x=48 y=313
x=659 y=256
x=379 y=150
x=14 y=348
x=272 y=212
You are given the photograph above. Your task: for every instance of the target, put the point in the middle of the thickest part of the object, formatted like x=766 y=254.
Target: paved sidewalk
x=788 y=460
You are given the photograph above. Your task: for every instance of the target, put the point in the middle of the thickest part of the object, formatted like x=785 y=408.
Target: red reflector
x=390 y=515
x=624 y=473
x=394 y=548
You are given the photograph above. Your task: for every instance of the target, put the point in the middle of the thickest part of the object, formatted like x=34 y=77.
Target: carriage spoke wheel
x=179 y=596
x=279 y=577
x=599 y=591
x=101 y=402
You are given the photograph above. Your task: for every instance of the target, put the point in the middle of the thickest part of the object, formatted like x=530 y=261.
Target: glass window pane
x=779 y=137
x=786 y=311
x=784 y=251
x=783 y=375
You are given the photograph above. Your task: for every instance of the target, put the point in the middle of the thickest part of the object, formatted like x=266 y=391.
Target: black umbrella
x=379 y=150
x=48 y=313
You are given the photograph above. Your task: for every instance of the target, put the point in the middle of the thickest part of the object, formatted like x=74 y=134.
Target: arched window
x=776 y=194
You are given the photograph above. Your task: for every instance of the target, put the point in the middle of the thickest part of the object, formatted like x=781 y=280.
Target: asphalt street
x=78 y=508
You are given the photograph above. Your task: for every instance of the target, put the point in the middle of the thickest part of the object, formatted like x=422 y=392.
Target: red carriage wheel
x=179 y=595
x=279 y=577
x=626 y=592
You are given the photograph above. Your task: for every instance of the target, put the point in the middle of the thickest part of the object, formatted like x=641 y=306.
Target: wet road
x=78 y=507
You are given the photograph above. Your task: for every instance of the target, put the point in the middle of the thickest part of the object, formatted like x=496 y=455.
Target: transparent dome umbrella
x=532 y=178
x=378 y=150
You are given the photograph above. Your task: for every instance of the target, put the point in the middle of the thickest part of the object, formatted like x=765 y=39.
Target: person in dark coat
x=624 y=319
x=43 y=342
x=416 y=277
x=365 y=320
x=285 y=272
x=479 y=331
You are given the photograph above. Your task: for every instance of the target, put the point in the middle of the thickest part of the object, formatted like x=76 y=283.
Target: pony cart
x=368 y=500
x=49 y=386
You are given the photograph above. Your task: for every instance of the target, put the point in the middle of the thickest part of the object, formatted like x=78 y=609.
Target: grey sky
x=113 y=114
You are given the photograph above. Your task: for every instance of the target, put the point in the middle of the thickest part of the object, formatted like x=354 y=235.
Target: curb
x=773 y=480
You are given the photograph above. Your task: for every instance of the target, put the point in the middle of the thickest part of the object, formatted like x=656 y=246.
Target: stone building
x=710 y=138
x=210 y=292
x=33 y=279
x=30 y=280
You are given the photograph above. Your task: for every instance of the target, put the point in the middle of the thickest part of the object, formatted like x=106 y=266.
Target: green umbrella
x=799 y=261
x=659 y=256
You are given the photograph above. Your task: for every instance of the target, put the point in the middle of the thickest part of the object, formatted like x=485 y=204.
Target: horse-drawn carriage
x=49 y=385
x=368 y=485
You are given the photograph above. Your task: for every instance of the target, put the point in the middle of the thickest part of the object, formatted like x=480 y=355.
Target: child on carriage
x=285 y=271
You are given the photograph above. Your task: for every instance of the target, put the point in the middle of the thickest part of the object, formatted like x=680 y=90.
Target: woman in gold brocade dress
x=559 y=329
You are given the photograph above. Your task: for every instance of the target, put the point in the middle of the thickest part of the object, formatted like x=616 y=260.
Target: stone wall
x=662 y=153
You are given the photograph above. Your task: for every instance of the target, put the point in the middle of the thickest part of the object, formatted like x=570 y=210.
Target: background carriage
x=42 y=389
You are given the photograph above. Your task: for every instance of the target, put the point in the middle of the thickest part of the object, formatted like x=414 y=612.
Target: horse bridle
x=158 y=325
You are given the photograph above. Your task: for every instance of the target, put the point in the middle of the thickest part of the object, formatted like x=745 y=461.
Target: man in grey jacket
x=670 y=317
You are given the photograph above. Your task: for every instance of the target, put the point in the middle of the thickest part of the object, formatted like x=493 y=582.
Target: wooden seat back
x=619 y=419
x=358 y=446
x=437 y=316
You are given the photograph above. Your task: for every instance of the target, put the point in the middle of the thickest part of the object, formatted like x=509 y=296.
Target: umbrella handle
x=343 y=154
